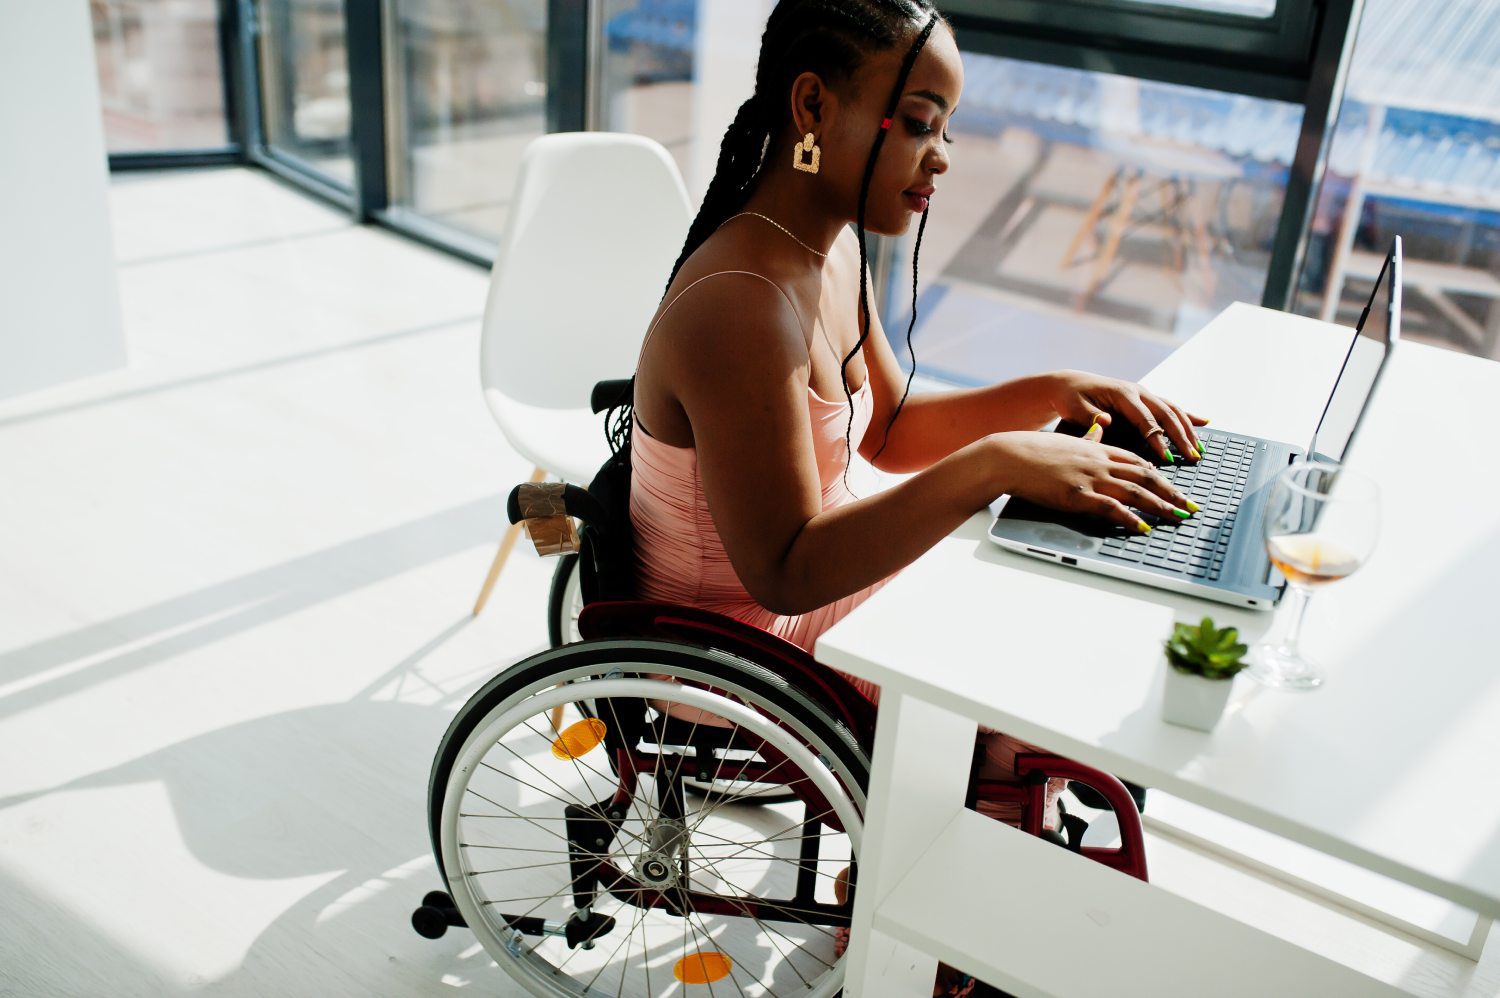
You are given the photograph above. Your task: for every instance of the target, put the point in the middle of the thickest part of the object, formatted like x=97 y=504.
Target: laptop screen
x=1379 y=328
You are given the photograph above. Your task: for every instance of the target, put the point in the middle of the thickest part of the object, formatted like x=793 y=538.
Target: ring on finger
x=1154 y=431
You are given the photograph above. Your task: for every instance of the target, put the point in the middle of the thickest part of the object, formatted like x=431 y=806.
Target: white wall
x=728 y=43
x=59 y=300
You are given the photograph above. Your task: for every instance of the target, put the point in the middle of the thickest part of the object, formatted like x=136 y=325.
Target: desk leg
x=918 y=778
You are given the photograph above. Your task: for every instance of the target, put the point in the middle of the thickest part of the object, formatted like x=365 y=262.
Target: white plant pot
x=1192 y=701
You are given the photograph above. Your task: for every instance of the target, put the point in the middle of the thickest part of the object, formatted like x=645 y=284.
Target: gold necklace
x=778 y=225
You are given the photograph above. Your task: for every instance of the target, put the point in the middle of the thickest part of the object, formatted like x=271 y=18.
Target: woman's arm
x=737 y=360
x=934 y=424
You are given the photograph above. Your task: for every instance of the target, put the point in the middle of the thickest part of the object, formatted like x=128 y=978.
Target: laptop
x=1219 y=553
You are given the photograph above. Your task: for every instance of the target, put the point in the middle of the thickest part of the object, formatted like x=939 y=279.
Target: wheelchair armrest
x=538 y=500
x=548 y=510
x=608 y=394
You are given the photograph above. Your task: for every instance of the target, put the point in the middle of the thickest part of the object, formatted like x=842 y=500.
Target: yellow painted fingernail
x=1142 y=526
x=1197 y=456
x=1192 y=506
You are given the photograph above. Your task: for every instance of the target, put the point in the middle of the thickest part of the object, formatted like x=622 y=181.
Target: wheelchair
x=668 y=801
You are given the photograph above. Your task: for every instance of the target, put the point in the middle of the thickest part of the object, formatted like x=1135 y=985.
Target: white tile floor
x=235 y=586
x=235 y=582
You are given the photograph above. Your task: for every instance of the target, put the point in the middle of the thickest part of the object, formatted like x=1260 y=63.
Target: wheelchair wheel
x=585 y=869
x=564 y=603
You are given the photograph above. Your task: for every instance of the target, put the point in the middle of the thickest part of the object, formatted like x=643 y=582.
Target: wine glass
x=1320 y=524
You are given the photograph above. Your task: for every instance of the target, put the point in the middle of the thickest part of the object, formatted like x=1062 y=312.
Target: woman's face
x=915 y=152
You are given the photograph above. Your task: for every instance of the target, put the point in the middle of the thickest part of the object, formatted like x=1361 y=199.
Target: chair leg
x=506 y=543
x=1117 y=226
x=1090 y=221
x=1171 y=204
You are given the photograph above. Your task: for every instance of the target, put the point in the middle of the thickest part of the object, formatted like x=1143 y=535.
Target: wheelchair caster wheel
x=437 y=899
x=429 y=922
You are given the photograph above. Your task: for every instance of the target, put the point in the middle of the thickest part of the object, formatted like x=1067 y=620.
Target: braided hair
x=831 y=38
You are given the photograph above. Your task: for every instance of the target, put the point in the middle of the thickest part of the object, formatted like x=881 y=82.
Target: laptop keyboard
x=1195 y=547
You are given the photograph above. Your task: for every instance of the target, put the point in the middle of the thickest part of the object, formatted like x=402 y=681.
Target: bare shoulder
x=723 y=339
x=730 y=315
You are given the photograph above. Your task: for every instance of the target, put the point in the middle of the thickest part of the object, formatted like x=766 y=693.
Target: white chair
x=596 y=222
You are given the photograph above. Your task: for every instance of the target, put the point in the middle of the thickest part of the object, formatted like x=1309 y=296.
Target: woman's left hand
x=1085 y=398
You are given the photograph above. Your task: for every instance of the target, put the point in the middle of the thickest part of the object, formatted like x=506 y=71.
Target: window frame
x=1279 y=44
x=1212 y=50
x=232 y=152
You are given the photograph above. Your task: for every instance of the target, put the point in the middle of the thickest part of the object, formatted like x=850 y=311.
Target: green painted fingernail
x=1170 y=458
x=1181 y=514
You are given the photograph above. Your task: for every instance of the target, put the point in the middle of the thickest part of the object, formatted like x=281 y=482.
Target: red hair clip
x=886 y=124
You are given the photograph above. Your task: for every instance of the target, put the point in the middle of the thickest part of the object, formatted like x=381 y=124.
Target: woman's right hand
x=1081 y=475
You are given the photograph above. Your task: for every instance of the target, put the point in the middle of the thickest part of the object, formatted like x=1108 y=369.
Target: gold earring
x=807 y=155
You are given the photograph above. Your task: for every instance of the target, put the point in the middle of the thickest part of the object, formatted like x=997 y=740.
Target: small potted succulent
x=1204 y=661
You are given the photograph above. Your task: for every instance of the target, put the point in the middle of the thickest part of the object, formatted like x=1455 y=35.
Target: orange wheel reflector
x=702 y=968
x=579 y=739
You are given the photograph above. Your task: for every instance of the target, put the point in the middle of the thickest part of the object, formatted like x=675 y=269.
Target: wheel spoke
x=592 y=809
x=713 y=808
x=779 y=951
x=719 y=871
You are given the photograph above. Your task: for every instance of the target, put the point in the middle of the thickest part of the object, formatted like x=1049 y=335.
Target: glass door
x=466 y=91
x=304 y=73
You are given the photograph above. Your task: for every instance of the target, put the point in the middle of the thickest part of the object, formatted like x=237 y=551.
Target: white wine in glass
x=1321 y=521
x=1310 y=560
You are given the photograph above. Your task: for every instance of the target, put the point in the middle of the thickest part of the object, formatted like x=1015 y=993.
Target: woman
x=765 y=368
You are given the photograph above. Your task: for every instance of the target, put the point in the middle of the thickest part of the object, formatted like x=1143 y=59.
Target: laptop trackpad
x=1025 y=522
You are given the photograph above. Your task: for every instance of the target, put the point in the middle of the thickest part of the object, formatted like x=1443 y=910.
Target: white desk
x=1408 y=719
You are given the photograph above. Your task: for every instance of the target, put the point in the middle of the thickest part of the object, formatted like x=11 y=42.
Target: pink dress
x=681 y=558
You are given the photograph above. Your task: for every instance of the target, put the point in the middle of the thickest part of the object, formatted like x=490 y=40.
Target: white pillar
x=59 y=299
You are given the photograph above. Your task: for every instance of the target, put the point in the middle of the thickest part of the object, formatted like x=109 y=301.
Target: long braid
x=911 y=352
x=864 y=196
x=831 y=37
x=740 y=157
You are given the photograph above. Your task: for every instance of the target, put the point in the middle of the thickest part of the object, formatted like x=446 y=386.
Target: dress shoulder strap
x=684 y=291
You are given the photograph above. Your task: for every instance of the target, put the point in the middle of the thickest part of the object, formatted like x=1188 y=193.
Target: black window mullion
x=364 y=41
x=232 y=76
x=247 y=78
x=1321 y=103
x=567 y=65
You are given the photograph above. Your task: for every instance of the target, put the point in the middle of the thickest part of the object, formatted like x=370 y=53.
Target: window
x=467 y=92
x=1416 y=153
x=1252 y=33
x=305 y=85
x=1089 y=220
x=1242 y=8
x=677 y=71
x=160 y=79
